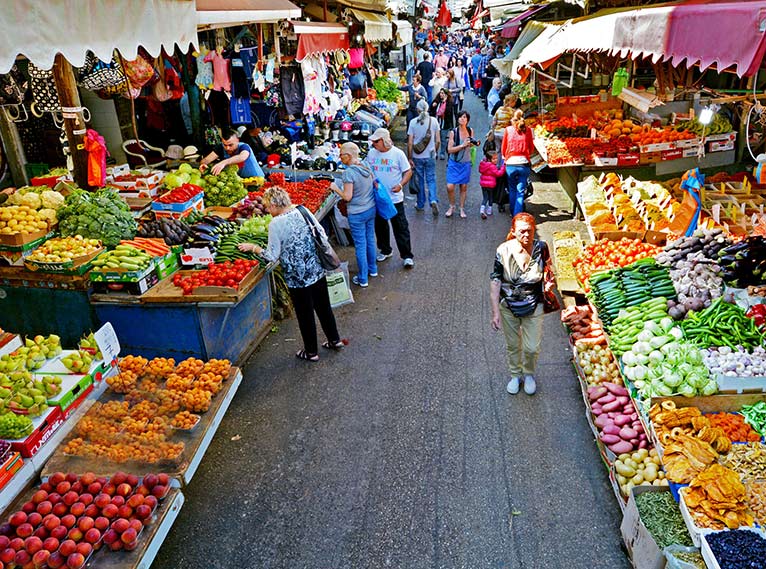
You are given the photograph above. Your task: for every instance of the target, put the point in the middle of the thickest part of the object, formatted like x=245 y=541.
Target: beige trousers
x=523 y=337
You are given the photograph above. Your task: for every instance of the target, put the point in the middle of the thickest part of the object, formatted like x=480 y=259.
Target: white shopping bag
x=339 y=286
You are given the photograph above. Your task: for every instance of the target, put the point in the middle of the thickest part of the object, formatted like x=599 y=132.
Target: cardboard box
x=628 y=159
x=77 y=266
x=650 y=157
x=167 y=265
x=673 y=154
x=72 y=387
x=199 y=206
x=604 y=161
x=690 y=152
x=658 y=147
x=720 y=146
x=121 y=275
x=75 y=403
x=10 y=467
x=179 y=207
x=726 y=136
x=643 y=550
x=138 y=287
x=688 y=143
x=21 y=239
x=44 y=427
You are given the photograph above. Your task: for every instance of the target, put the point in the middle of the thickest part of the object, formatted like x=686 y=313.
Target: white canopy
x=39 y=29
x=376 y=27
x=226 y=13
x=403 y=32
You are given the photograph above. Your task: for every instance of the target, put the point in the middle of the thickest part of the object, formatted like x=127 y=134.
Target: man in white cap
x=391 y=167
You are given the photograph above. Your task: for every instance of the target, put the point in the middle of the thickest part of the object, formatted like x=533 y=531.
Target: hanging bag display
x=327 y=256
x=13 y=86
x=160 y=89
x=139 y=72
x=106 y=78
x=44 y=94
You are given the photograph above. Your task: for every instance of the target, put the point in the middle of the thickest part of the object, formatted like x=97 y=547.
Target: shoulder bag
x=420 y=146
x=327 y=256
x=551 y=301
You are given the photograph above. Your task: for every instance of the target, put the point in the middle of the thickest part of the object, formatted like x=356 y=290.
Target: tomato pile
x=181 y=194
x=604 y=255
x=228 y=274
x=309 y=193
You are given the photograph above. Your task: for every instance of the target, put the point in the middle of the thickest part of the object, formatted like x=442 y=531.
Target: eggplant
x=203 y=228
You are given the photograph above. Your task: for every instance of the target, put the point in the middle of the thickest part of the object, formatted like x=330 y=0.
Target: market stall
x=669 y=348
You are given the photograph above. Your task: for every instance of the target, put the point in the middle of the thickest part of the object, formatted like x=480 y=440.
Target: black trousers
x=401 y=233
x=306 y=301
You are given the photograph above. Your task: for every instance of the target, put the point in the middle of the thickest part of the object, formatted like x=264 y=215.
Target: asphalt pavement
x=404 y=450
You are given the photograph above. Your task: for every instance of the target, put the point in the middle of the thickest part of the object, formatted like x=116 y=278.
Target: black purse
x=327 y=256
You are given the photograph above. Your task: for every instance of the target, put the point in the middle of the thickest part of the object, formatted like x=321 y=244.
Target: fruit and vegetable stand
x=671 y=361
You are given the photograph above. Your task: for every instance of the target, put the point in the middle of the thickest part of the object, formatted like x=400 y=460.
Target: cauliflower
x=31 y=200
x=52 y=200
x=49 y=214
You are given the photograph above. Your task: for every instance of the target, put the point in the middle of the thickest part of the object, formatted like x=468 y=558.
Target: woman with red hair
x=516 y=293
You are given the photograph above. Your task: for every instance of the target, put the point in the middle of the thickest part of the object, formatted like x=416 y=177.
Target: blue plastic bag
x=383 y=204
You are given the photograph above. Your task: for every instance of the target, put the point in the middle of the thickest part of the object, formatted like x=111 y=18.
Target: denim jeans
x=518 y=174
x=425 y=175
x=363 y=233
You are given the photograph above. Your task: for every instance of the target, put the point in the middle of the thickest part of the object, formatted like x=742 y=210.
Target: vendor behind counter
x=232 y=151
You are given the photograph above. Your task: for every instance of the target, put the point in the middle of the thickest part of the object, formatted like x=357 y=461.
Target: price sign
x=107 y=342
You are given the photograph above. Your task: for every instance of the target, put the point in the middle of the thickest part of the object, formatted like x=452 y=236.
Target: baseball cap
x=380 y=133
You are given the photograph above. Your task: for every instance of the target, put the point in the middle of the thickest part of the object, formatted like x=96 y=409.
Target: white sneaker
x=482 y=210
x=382 y=256
x=529 y=385
x=513 y=386
x=488 y=210
x=408 y=263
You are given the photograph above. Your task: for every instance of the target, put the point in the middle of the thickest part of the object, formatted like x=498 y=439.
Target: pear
x=39 y=340
x=28 y=343
x=54 y=339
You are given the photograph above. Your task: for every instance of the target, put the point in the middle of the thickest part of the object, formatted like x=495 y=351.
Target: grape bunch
x=13 y=426
x=5 y=448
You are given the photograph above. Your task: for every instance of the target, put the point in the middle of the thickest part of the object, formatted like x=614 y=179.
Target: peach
x=47 y=486
x=51 y=544
x=77 y=509
x=68 y=521
x=70 y=497
x=88 y=478
x=94 y=488
x=59 y=532
x=71 y=477
x=33 y=544
x=110 y=511
x=103 y=480
x=7 y=555
x=132 y=479
x=60 y=509
x=143 y=512
x=85 y=523
x=75 y=534
x=150 y=481
x=92 y=535
x=125 y=511
x=28 y=507
x=40 y=558
x=109 y=489
x=110 y=536
x=102 y=500
x=22 y=557
x=54 y=498
x=135 y=500
x=92 y=511
x=84 y=548
x=41 y=532
x=16 y=543
x=120 y=525
x=4 y=541
x=56 y=560
x=75 y=561
x=34 y=519
x=124 y=490
x=151 y=501
x=51 y=521
x=129 y=535
x=116 y=546
x=39 y=496
x=77 y=487
x=159 y=491
x=67 y=547
x=44 y=508
x=86 y=498
x=130 y=546
x=143 y=491
x=118 y=500
x=163 y=479
x=57 y=477
x=118 y=478
x=63 y=487
x=25 y=530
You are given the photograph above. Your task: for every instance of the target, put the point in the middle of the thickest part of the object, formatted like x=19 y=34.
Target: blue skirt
x=458 y=172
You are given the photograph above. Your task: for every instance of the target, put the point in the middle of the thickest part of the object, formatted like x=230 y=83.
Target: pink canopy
x=512 y=27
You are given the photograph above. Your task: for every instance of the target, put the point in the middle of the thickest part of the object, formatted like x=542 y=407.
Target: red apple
x=51 y=544
x=33 y=544
x=125 y=511
x=67 y=547
x=77 y=509
x=124 y=490
x=84 y=548
x=41 y=532
x=29 y=507
x=60 y=509
x=54 y=498
x=75 y=534
x=116 y=546
x=150 y=481
x=39 y=496
x=16 y=543
x=109 y=489
x=110 y=511
x=4 y=541
x=118 y=501
x=47 y=486
x=34 y=519
x=92 y=511
x=44 y=508
x=94 y=488
x=143 y=512
x=92 y=535
x=143 y=491
x=129 y=535
x=163 y=479
x=57 y=477
x=56 y=560
x=77 y=487
x=59 y=532
x=40 y=558
x=22 y=557
x=25 y=530
x=110 y=536
x=101 y=523
x=70 y=497
x=63 y=487
x=18 y=518
x=75 y=561
x=71 y=477
x=159 y=491
x=68 y=521
x=135 y=500
x=7 y=555
x=86 y=498
x=102 y=500
x=151 y=501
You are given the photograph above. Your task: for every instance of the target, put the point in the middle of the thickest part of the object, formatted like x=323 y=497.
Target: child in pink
x=489 y=172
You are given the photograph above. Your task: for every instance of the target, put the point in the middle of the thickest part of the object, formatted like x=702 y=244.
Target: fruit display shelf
x=9 y=343
x=196 y=442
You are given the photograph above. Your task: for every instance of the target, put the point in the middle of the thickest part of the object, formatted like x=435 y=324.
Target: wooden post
x=14 y=150
x=74 y=123
x=277 y=50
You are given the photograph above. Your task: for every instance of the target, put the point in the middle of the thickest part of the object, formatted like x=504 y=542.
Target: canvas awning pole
x=74 y=122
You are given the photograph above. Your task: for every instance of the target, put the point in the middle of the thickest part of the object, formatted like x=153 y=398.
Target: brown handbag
x=551 y=302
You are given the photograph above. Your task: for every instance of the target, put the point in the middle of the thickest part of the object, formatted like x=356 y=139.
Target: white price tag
x=716 y=212
x=200 y=256
x=107 y=342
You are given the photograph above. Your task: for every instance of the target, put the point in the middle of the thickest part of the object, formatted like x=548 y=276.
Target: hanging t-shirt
x=389 y=167
x=291 y=81
x=240 y=87
x=204 y=79
x=249 y=167
x=221 y=79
